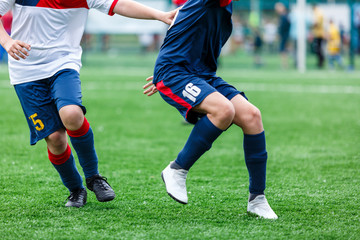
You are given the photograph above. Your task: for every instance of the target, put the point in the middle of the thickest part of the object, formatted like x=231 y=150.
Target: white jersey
x=54 y=29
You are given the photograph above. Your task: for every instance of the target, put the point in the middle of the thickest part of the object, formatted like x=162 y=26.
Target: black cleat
x=101 y=188
x=77 y=198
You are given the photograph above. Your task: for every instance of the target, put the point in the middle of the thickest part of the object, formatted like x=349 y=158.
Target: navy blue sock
x=83 y=143
x=255 y=159
x=65 y=165
x=200 y=140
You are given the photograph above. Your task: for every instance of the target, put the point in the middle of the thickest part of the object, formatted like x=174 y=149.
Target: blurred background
x=267 y=34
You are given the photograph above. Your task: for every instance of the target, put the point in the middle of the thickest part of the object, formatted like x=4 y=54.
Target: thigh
x=40 y=111
x=184 y=91
x=66 y=89
x=223 y=87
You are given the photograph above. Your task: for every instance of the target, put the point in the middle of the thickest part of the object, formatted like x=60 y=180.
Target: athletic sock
x=200 y=140
x=65 y=165
x=255 y=159
x=83 y=143
x=252 y=196
x=174 y=165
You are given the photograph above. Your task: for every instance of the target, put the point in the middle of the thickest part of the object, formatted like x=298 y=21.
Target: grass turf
x=312 y=124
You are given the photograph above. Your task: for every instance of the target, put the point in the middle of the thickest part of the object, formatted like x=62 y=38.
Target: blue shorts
x=185 y=90
x=41 y=101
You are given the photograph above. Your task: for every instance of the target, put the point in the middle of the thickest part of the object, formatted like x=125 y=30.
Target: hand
x=150 y=88
x=169 y=16
x=17 y=49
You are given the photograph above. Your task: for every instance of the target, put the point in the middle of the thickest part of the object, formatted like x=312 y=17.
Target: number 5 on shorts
x=37 y=122
x=191 y=91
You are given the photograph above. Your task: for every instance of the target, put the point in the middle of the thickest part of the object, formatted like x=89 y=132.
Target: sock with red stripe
x=65 y=165
x=83 y=143
x=200 y=140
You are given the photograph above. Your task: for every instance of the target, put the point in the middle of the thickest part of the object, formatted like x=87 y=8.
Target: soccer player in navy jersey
x=44 y=69
x=185 y=76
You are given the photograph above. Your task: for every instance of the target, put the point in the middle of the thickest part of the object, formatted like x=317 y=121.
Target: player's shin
x=200 y=140
x=65 y=165
x=255 y=159
x=83 y=143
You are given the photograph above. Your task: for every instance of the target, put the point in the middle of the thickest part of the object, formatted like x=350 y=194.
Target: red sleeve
x=111 y=10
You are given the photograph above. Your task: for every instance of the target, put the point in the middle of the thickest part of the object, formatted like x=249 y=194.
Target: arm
x=132 y=9
x=15 y=48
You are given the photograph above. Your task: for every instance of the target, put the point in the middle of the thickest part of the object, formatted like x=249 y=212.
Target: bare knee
x=72 y=117
x=226 y=111
x=250 y=120
x=223 y=114
x=57 y=142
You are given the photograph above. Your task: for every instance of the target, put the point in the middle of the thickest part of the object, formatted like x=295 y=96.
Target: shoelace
x=102 y=181
x=74 y=195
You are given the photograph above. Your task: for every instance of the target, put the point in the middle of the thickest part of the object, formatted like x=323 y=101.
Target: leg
x=44 y=122
x=321 y=53
x=62 y=159
x=219 y=115
x=331 y=62
x=66 y=92
x=81 y=137
x=248 y=117
x=338 y=58
x=192 y=95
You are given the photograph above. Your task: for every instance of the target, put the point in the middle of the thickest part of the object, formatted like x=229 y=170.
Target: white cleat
x=260 y=207
x=175 y=183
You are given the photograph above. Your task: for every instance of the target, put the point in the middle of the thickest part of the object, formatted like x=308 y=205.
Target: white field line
x=246 y=87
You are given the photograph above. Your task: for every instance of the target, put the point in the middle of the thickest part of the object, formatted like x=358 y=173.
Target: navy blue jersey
x=284 y=25
x=195 y=40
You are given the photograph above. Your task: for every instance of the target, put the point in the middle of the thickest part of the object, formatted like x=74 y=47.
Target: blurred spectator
x=257 y=48
x=318 y=34
x=270 y=32
x=6 y=21
x=343 y=37
x=254 y=22
x=284 y=32
x=237 y=37
x=334 y=45
x=247 y=38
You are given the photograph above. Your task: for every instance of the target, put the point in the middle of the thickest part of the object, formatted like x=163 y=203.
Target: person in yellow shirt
x=334 y=45
x=319 y=34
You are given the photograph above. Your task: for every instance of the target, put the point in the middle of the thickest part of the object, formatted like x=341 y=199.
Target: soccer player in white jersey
x=44 y=64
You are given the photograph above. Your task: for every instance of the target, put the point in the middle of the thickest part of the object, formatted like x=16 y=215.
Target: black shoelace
x=102 y=181
x=74 y=196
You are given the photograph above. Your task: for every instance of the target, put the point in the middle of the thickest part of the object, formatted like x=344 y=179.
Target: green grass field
x=312 y=124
